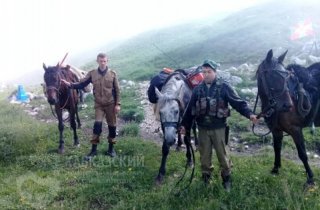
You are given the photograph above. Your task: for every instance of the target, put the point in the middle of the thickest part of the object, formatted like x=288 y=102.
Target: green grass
x=34 y=176
x=131 y=109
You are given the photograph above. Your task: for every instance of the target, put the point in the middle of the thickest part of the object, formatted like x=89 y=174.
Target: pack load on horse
x=280 y=110
x=157 y=82
x=171 y=102
x=193 y=77
x=80 y=75
x=62 y=98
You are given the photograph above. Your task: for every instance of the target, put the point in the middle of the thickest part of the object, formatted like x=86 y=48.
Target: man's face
x=102 y=63
x=209 y=74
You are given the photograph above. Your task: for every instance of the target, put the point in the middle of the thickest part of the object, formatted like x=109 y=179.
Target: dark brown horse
x=62 y=98
x=280 y=110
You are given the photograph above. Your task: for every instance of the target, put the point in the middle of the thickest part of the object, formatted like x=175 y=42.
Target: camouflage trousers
x=213 y=139
x=107 y=112
x=102 y=112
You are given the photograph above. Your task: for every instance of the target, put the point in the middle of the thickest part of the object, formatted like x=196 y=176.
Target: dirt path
x=150 y=128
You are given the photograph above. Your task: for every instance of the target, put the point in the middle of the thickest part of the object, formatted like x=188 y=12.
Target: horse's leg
x=187 y=141
x=77 y=115
x=61 y=127
x=299 y=142
x=179 y=146
x=277 y=136
x=73 y=125
x=162 y=170
x=194 y=130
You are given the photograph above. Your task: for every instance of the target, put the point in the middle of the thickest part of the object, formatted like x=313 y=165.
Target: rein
x=270 y=109
x=59 y=93
x=188 y=142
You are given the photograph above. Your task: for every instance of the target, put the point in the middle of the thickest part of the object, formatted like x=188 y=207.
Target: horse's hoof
x=178 y=149
x=61 y=151
x=77 y=145
x=190 y=164
x=275 y=171
x=309 y=185
x=159 y=180
x=197 y=148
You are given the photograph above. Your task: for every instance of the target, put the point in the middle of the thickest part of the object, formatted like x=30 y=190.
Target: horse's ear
x=281 y=57
x=158 y=93
x=44 y=66
x=269 y=56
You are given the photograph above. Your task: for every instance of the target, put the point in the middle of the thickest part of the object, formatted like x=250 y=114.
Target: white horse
x=172 y=101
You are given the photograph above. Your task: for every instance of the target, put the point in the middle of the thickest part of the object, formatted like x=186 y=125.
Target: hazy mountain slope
x=244 y=36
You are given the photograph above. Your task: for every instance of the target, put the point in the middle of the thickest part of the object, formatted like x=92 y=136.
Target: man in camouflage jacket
x=106 y=94
x=209 y=107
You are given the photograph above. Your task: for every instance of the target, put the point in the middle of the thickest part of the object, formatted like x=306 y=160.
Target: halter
x=272 y=97
x=174 y=124
x=270 y=109
x=58 y=90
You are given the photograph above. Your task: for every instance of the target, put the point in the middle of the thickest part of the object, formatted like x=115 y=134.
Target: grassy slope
x=33 y=176
x=241 y=37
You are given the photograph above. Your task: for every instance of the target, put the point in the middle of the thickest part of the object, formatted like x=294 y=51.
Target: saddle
x=193 y=76
x=302 y=98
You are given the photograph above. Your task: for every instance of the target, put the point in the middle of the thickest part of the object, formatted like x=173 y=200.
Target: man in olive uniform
x=106 y=94
x=209 y=107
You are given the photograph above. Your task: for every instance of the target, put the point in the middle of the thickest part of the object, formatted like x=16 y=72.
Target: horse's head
x=170 y=106
x=272 y=83
x=52 y=80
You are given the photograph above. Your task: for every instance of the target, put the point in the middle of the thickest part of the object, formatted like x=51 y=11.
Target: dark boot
x=226 y=182
x=111 y=152
x=92 y=153
x=206 y=178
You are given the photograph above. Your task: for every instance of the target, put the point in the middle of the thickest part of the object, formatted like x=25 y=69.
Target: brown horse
x=62 y=98
x=280 y=110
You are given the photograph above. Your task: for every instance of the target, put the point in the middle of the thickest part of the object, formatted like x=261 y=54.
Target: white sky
x=36 y=31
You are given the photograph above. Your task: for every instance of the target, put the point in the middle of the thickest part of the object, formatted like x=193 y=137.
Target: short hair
x=102 y=55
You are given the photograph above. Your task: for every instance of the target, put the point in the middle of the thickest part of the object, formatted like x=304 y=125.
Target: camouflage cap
x=212 y=64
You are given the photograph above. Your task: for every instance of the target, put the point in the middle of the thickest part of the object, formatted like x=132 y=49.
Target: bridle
x=175 y=124
x=270 y=108
x=270 y=92
x=57 y=89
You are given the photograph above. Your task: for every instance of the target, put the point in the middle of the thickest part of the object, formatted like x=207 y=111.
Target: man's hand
x=117 y=109
x=65 y=82
x=253 y=118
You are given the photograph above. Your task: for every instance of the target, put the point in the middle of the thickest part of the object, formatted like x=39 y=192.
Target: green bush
x=131 y=109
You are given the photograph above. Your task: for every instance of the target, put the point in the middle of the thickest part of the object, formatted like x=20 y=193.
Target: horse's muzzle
x=52 y=101
x=170 y=135
x=286 y=107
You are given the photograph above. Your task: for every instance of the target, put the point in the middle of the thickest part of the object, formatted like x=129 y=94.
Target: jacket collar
x=102 y=73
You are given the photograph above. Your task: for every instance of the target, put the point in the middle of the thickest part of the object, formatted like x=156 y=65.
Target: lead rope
x=258 y=116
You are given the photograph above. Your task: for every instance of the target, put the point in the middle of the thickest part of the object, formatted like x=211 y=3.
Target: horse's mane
x=169 y=91
x=64 y=73
x=68 y=74
x=294 y=67
x=314 y=66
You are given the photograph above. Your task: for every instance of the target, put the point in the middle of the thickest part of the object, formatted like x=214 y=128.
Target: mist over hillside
x=245 y=36
x=36 y=77
x=230 y=39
